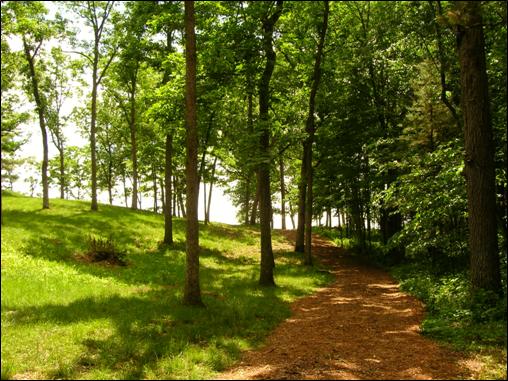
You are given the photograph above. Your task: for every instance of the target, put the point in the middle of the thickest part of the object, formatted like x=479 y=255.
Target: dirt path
x=360 y=327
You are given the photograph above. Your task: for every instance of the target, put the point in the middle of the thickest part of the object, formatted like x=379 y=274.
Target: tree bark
x=93 y=119
x=311 y=129
x=308 y=204
x=302 y=194
x=479 y=147
x=192 y=292
x=42 y=123
x=134 y=145
x=250 y=130
x=263 y=172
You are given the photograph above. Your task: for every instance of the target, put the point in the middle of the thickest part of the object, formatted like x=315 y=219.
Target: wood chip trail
x=360 y=327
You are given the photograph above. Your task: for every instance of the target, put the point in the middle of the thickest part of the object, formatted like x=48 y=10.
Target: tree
x=166 y=110
x=479 y=147
x=127 y=72
x=263 y=171
x=192 y=292
x=95 y=13
x=57 y=86
x=311 y=129
x=30 y=24
x=11 y=119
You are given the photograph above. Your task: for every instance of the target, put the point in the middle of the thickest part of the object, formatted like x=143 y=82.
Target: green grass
x=66 y=318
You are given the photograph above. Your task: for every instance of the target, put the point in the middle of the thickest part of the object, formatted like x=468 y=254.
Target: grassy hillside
x=65 y=317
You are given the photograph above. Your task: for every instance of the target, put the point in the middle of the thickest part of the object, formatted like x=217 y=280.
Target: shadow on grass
x=154 y=326
x=151 y=328
x=61 y=238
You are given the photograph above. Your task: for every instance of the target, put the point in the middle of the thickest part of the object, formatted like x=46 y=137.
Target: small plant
x=104 y=250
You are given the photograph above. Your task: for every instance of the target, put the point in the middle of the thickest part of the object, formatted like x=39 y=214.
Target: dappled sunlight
x=383 y=286
x=342 y=300
x=360 y=327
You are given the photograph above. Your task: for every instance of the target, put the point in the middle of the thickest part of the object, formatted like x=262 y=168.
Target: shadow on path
x=360 y=327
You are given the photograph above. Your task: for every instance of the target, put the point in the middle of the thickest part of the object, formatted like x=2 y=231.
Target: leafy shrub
x=454 y=315
x=435 y=214
x=104 y=250
x=487 y=306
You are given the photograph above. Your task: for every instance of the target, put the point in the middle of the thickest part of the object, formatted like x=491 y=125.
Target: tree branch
x=80 y=53
x=107 y=65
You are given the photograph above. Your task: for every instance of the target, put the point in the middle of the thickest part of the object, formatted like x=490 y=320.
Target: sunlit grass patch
x=66 y=318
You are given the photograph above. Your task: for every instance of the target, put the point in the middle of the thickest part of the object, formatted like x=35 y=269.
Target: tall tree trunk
x=479 y=147
x=192 y=292
x=110 y=193
x=42 y=123
x=168 y=173
x=93 y=119
x=302 y=194
x=308 y=206
x=282 y=194
x=134 y=146
x=311 y=129
x=263 y=173
x=250 y=130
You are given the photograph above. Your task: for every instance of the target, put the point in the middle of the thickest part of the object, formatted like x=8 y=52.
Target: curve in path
x=360 y=327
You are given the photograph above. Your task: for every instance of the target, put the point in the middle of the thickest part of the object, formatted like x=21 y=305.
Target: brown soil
x=360 y=327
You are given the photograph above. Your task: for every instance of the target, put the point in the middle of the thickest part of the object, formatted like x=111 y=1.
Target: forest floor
x=360 y=327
